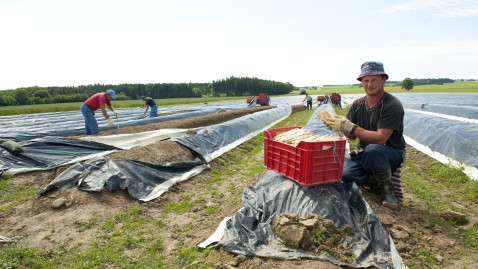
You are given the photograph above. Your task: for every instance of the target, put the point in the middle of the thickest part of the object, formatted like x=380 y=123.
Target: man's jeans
x=374 y=159
x=91 y=125
x=154 y=111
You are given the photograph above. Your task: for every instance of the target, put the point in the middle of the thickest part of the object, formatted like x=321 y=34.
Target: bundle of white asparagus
x=294 y=136
x=324 y=115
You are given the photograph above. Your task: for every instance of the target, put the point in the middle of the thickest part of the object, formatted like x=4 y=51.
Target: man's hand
x=116 y=113
x=110 y=121
x=339 y=124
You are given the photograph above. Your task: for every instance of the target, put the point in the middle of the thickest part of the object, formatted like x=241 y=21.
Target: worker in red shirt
x=95 y=102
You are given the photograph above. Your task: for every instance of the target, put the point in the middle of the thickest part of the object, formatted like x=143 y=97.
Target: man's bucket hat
x=371 y=69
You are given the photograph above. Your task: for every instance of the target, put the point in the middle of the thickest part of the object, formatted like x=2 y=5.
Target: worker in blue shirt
x=150 y=103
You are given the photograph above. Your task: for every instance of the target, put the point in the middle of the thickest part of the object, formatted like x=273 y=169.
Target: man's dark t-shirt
x=150 y=102
x=387 y=113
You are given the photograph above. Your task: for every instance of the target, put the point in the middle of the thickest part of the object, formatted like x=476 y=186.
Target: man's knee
x=348 y=177
x=374 y=149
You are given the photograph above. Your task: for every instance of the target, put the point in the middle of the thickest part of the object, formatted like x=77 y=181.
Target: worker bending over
x=150 y=103
x=95 y=102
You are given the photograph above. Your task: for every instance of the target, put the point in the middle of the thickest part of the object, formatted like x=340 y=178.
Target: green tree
x=407 y=84
x=7 y=100
x=42 y=94
x=22 y=97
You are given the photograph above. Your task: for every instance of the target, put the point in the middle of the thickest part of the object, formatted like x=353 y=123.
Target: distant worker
x=320 y=100
x=263 y=99
x=150 y=103
x=334 y=99
x=339 y=100
x=95 y=102
x=377 y=121
x=308 y=98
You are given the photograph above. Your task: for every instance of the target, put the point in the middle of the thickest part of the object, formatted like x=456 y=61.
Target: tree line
x=233 y=86
x=416 y=82
x=244 y=86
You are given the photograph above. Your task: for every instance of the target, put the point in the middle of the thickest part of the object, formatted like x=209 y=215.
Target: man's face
x=373 y=84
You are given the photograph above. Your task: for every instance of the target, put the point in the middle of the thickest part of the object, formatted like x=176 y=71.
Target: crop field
x=113 y=230
x=463 y=87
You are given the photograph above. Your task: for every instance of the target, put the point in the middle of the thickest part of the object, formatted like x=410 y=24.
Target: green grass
x=190 y=257
x=13 y=194
x=178 y=208
x=128 y=240
x=468 y=87
x=439 y=188
x=422 y=181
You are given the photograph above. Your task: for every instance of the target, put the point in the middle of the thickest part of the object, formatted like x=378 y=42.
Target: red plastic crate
x=309 y=163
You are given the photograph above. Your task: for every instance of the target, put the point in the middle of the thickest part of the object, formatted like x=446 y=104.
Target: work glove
x=339 y=124
x=116 y=113
x=110 y=121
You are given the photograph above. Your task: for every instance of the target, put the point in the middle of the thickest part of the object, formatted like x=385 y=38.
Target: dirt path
x=71 y=217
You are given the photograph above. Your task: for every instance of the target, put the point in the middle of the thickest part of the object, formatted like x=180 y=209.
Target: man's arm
x=113 y=110
x=342 y=124
x=103 y=110
x=147 y=107
x=372 y=137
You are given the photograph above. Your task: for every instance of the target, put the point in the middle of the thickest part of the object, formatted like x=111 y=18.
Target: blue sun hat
x=371 y=69
x=111 y=93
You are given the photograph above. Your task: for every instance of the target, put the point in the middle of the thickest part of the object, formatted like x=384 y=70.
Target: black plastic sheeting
x=249 y=231
x=43 y=150
x=140 y=179
x=48 y=152
x=230 y=133
x=146 y=181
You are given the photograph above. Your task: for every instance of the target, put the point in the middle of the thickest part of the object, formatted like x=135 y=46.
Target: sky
x=304 y=42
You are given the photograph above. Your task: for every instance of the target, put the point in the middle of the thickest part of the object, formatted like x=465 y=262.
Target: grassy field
x=465 y=87
x=462 y=87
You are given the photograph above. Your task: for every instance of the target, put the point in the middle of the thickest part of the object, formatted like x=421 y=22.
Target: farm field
x=74 y=229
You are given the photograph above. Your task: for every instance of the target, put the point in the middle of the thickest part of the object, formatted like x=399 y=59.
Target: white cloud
x=440 y=8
